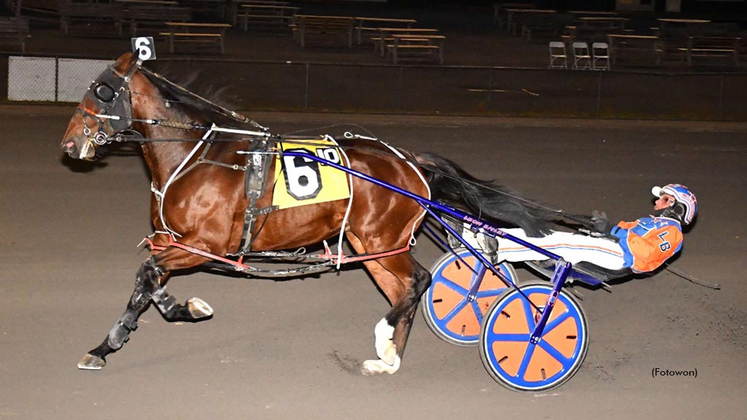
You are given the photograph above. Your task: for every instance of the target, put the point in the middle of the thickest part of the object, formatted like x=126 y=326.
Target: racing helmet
x=685 y=206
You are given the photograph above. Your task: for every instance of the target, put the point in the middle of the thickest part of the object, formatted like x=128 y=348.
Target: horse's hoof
x=91 y=362
x=371 y=367
x=375 y=367
x=199 y=309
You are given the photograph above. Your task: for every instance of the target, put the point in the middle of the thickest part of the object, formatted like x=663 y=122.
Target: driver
x=612 y=251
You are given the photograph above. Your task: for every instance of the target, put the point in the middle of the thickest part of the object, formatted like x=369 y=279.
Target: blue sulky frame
x=562 y=268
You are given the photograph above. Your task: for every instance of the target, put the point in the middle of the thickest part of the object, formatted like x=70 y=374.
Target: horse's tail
x=451 y=184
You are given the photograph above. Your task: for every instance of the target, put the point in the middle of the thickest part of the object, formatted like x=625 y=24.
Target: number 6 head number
x=144 y=47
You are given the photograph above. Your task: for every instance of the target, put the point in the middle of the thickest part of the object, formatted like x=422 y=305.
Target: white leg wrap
x=385 y=348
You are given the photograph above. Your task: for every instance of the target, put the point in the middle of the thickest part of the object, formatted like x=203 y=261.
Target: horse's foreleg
x=148 y=289
x=146 y=283
x=193 y=310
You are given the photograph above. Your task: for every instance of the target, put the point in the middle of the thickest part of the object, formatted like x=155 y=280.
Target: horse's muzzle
x=72 y=149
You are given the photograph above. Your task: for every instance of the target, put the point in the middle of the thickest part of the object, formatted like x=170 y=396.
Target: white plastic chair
x=581 y=56
x=558 y=57
x=600 y=52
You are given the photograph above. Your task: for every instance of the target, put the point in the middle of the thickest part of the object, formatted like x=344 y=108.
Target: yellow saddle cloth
x=300 y=181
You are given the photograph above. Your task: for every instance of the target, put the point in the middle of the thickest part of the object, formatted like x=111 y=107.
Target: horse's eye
x=104 y=92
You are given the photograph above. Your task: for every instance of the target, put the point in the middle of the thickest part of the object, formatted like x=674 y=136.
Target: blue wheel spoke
x=476 y=310
x=453 y=286
x=528 y=311
x=490 y=293
x=557 y=321
x=454 y=311
x=555 y=353
x=525 y=361
x=459 y=290
x=529 y=314
x=508 y=337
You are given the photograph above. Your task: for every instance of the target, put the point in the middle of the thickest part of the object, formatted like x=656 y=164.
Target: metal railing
x=454 y=90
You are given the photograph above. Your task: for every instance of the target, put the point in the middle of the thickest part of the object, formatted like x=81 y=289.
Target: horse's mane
x=207 y=109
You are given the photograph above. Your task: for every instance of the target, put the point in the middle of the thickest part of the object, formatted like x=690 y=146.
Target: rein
x=162 y=122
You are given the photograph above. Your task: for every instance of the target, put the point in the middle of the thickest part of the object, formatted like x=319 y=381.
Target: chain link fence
x=253 y=85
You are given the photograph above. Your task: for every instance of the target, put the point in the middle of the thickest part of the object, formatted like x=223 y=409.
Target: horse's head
x=125 y=94
x=105 y=110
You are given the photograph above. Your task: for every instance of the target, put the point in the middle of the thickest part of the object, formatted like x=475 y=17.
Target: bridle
x=111 y=92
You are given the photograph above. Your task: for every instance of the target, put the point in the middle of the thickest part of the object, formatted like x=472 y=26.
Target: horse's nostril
x=69 y=148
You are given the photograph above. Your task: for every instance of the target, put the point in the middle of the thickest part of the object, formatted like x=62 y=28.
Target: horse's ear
x=125 y=58
x=125 y=61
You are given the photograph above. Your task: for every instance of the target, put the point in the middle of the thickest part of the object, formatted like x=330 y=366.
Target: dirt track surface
x=290 y=350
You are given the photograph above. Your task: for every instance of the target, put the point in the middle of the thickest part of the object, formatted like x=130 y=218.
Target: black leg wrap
x=146 y=283
x=164 y=302
x=120 y=332
x=173 y=311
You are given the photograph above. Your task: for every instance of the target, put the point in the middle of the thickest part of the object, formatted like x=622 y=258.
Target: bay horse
x=207 y=204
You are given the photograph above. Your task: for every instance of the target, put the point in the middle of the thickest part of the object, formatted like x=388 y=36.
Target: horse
x=204 y=211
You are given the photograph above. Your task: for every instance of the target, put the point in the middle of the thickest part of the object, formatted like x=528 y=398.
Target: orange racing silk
x=648 y=242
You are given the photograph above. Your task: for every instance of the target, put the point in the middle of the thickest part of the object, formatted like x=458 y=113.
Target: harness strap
x=344 y=259
x=261 y=212
x=255 y=182
x=334 y=258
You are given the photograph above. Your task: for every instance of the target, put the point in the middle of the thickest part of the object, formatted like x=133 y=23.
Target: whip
x=691 y=279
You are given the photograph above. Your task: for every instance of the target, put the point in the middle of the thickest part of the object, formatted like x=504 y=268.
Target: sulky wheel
x=507 y=353
x=445 y=307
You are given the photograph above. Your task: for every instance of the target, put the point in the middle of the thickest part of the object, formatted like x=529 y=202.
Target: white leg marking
x=385 y=348
x=374 y=367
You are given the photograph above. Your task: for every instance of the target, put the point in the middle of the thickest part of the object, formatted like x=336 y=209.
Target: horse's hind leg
x=404 y=293
x=147 y=288
x=403 y=280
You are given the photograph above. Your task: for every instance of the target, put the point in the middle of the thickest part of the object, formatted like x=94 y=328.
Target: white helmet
x=685 y=206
